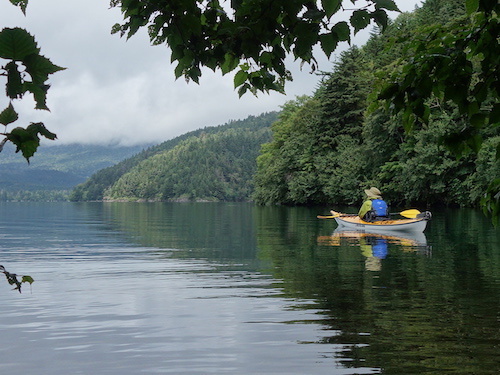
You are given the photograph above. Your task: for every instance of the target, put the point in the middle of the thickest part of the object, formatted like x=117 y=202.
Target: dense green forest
x=213 y=163
x=328 y=147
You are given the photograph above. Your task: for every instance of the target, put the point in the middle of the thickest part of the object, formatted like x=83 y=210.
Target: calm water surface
x=235 y=289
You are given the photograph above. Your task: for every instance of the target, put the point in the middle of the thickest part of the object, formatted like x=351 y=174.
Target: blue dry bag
x=380 y=207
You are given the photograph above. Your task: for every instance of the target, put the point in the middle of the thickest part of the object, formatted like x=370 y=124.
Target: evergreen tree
x=343 y=98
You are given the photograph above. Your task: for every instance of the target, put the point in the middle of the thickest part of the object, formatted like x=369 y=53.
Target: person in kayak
x=374 y=208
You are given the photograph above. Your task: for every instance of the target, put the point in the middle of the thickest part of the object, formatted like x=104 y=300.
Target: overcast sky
x=123 y=92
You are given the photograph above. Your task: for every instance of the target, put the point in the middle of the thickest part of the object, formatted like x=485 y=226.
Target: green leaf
x=240 y=78
x=179 y=69
x=329 y=42
x=230 y=63
x=343 y=31
x=359 y=20
x=21 y=4
x=331 y=6
x=408 y=119
x=471 y=6
x=39 y=68
x=313 y=14
x=243 y=89
x=27 y=279
x=475 y=142
x=386 y=4
x=8 y=115
x=381 y=18
x=117 y=28
x=307 y=36
x=24 y=141
x=39 y=128
x=14 y=87
x=16 y=44
x=39 y=94
x=193 y=73
x=389 y=91
x=266 y=58
x=27 y=140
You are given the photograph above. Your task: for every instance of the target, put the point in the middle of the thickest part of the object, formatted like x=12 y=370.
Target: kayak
x=417 y=224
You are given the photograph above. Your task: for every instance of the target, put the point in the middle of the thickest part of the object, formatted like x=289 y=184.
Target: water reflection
x=417 y=313
x=239 y=289
x=375 y=246
x=382 y=302
x=193 y=230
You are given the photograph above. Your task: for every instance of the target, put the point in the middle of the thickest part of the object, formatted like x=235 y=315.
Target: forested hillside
x=328 y=147
x=213 y=163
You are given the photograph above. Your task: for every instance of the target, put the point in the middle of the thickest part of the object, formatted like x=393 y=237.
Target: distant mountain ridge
x=213 y=163
x=57 y=167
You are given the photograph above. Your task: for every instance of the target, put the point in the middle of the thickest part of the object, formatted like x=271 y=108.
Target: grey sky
x=124 y=92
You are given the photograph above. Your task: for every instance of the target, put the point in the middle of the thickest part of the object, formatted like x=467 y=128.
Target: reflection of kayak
x=417 y=224
x=408 y=241
x=411 y=239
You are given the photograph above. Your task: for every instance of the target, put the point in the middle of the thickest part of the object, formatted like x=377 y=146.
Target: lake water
x=209 y=288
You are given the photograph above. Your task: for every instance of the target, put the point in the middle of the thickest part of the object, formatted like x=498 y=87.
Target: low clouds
x=124 y=92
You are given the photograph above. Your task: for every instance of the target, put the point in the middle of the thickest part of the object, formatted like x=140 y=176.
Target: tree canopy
x=252 y=37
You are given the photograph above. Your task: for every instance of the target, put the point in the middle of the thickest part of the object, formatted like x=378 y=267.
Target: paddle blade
x=326 y=217
x=410 y=214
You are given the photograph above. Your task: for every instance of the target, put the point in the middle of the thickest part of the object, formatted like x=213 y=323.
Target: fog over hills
x=57 y=167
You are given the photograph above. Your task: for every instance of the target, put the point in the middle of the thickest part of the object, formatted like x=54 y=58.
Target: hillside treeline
x=328 y=147
x=213 y=163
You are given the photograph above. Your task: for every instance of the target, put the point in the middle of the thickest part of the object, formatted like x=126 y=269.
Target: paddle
x=410 y=214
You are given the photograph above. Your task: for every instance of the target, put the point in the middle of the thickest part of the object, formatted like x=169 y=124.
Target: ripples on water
x=102 y=305
x=130 y=289
x=95 y=314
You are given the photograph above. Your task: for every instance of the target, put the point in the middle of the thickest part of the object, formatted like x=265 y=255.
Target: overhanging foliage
x=26 y=72
x=252 y=37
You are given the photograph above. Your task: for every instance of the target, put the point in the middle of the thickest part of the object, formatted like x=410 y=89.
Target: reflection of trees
x=13 y=279
x=190 y=230
x=417 y=314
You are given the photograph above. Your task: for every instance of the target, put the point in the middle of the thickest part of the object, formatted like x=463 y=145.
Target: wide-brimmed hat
x=373 y=192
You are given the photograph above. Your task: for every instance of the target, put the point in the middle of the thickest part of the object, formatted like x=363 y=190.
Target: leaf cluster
x=250 y=37
x=455 y=62
x=13 y=279
x=26 y=72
